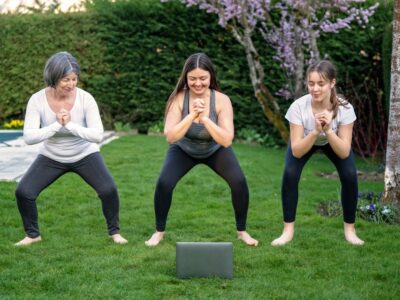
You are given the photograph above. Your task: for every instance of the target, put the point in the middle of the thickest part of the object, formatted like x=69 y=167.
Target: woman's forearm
x=176 y=132
x=36 y=135
x=220 y=135
x=302 y=146
x=339 y=146
x=90 y=134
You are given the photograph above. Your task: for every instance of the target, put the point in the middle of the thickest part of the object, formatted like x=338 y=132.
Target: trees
x=292 y=29
x=392 y=169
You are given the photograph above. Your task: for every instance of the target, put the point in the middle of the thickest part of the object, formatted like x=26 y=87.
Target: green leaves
x=131 y=54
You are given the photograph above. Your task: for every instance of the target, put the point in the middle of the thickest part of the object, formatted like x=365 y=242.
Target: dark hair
x=194 y=61
x=58 y=66
x=328 y=72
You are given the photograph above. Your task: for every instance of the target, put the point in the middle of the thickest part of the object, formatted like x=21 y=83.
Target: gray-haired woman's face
x=67 y=84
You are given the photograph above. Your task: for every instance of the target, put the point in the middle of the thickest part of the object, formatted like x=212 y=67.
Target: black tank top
x=197 y=141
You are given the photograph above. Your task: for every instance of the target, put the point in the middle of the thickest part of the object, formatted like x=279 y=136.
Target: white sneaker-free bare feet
x=351 y=236
x=245 y=237
x=28 y=241
x=155 y=239
x=118 y=239
x=286 y=236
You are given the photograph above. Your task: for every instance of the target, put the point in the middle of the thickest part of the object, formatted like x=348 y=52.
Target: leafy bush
x=14 y=124
x=146 y=50
x=157 y=127
x=122 y=127
x=369 y=208
x=27 y=41
x=250 y=135
x=131 y=54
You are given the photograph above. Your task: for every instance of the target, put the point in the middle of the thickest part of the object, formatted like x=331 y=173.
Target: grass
x=77 y=260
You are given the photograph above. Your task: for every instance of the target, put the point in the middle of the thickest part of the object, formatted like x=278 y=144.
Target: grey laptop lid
x=204 y=259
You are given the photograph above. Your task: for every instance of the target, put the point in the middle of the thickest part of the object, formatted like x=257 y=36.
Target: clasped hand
x=63 y=117
x=198 y=107
x=323 y=121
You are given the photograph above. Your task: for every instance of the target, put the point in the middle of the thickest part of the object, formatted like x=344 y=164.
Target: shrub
x=14 y=124
x=369 y=208
x=131 y=53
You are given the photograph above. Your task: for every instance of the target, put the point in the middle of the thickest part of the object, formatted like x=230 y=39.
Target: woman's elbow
x=170 y=139
x=345 y=154
x=227 y=141
x=28 y=140
x=226 y=144
x=296 y=153
x=98 y=138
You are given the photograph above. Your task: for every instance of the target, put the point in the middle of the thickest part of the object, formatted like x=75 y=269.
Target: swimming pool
x=8 y=135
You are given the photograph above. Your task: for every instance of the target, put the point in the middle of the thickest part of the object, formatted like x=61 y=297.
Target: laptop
x=204 y=259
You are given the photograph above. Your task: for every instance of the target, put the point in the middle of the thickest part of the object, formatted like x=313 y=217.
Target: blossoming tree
x=293 y=35
x=392 y=169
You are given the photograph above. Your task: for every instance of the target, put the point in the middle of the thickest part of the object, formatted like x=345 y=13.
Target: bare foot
x=286 y=236
x=351 y=236
x=118 y=239
x=245 y=237
x=155 y=239
x=28 y=241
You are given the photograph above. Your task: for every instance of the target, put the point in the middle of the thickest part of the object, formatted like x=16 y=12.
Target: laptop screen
x=204 y=259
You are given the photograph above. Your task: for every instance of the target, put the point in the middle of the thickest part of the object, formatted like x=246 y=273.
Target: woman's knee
x=165 y=183
x=348 y=174
x=238 y=183
x=291 y=173
x=22 y=192
x=108 y=190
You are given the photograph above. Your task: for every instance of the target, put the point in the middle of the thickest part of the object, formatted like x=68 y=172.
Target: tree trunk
x=266 y=100
x=299 y=72
x=392 y=169
x=300 y=83
x=313 y=46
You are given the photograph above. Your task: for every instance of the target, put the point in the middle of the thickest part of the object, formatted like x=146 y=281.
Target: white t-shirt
x=300 y=113
x=64 y=144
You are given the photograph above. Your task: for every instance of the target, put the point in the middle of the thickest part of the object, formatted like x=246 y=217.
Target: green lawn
x=76 y=259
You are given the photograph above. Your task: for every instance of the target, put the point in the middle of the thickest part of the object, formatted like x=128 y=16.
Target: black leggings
x=347 y=174
x=45 y=171
x=177 y=163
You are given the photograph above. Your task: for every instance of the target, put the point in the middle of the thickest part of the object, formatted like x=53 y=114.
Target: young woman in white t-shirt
x=320 y=121
x=67 y=120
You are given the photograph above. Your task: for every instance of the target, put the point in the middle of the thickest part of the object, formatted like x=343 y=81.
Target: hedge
x=132 y=52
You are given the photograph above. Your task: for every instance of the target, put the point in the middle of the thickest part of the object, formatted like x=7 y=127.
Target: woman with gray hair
x=67 y=120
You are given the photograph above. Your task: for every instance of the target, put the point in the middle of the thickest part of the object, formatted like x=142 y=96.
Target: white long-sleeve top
x=65 y=144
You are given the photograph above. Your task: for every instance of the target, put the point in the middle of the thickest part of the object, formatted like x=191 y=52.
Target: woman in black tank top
x=199 y=129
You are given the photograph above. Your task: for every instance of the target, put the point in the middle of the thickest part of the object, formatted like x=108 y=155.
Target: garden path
x=16 y=156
